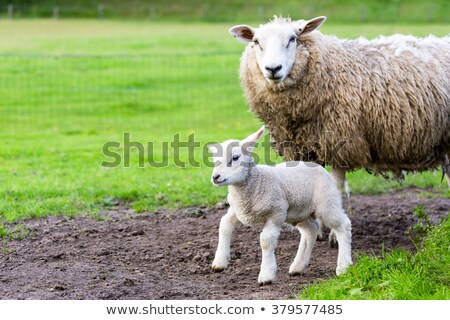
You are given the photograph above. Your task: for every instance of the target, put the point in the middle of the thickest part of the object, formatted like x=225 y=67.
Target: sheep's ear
x=248 y=143
x=243 y=33
x=309 y=26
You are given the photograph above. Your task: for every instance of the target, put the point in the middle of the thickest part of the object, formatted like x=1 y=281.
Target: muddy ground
x=164 y=255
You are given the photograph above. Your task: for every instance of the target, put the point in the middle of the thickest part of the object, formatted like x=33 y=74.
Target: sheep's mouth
x=272 y=79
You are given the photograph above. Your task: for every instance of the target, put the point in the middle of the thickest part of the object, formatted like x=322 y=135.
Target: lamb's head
x=233 y=159
x=275 y=44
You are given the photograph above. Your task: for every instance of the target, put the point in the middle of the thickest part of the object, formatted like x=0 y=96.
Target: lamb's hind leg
x=308 y=230
x=338 y=175
x=343 y=230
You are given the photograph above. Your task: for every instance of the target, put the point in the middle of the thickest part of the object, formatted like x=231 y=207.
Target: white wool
x=292 y=192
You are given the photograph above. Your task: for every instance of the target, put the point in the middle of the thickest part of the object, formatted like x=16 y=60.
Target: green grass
x=67 y=87
x=398 y=275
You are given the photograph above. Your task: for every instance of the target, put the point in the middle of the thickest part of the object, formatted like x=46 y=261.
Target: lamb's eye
x=236 y=157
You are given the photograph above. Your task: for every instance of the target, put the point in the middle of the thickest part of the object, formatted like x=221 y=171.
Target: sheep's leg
x=227 y=225
x=343 y=232
x=268 y=239
x=338 y=175
x=448 y=179
x=446 y=168
x=308 y=230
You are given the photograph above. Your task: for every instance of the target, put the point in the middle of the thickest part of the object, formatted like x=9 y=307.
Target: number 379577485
x=306 y=309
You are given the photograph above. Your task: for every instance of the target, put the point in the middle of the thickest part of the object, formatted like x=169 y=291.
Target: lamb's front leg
x=227 y=225
x=268 y=239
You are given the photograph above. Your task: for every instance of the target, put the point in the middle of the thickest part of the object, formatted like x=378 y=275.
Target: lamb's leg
x=308 y=230
x=343 y=233
x=338 y=175
x=268 y=240
x=319 y=229
x=227 y=225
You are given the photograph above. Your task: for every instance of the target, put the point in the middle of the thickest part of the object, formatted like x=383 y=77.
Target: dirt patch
x=168 y=255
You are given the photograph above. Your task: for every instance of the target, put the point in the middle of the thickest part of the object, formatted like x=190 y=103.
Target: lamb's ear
x=248 y=143
x=213 y=148
x=242 y=32
x=305 y=27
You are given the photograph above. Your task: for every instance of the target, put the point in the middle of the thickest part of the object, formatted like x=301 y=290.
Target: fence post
x=152 y=10
x=432 y=8
x=260 y=12
x=55 y=12
x=204 y=10
x=10 y=11
x=363 y=13
x=100 y=11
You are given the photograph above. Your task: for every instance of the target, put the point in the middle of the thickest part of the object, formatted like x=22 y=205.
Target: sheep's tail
x=349 y=204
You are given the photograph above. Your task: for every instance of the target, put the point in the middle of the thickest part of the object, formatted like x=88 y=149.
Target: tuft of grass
x=17 y=232
x=398 y=275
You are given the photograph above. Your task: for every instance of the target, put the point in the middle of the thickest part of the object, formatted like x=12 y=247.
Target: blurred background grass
x=344 y=11
x=68 y=86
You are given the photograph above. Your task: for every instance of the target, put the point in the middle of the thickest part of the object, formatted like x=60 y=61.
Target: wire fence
x=383 y=12
x=105 y=88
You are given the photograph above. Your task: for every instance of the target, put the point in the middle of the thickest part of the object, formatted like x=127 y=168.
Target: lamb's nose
x=274 y=70
x=217 y=176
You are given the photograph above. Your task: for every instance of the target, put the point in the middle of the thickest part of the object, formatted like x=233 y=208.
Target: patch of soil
x=167 y=255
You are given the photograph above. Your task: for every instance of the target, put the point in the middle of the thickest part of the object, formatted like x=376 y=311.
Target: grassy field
x=68 y=87
x=400 y=275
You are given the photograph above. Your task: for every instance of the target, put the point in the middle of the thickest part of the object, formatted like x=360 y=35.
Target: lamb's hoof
x=334 y=244
x=340 y=270
x=265 y=283
x=320 y=237
x=217 y=269
x=295 y=273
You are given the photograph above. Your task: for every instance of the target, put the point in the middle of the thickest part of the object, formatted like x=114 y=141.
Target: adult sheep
x=382 y=104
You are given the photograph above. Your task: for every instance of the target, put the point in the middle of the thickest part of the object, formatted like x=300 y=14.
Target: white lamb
x=293 y=192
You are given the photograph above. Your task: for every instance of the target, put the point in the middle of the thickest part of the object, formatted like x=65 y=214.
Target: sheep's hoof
x=265 y=283
x=217 y=269
x=334 y=244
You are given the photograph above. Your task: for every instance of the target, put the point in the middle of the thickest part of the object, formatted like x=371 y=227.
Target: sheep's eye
x=291 y=40
x=257 y=43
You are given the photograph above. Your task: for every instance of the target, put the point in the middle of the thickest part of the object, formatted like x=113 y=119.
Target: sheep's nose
x=215 y=177
x=274 y=70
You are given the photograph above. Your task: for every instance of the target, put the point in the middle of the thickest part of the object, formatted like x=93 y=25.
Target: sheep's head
x=233 y=159
x=275 y=44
